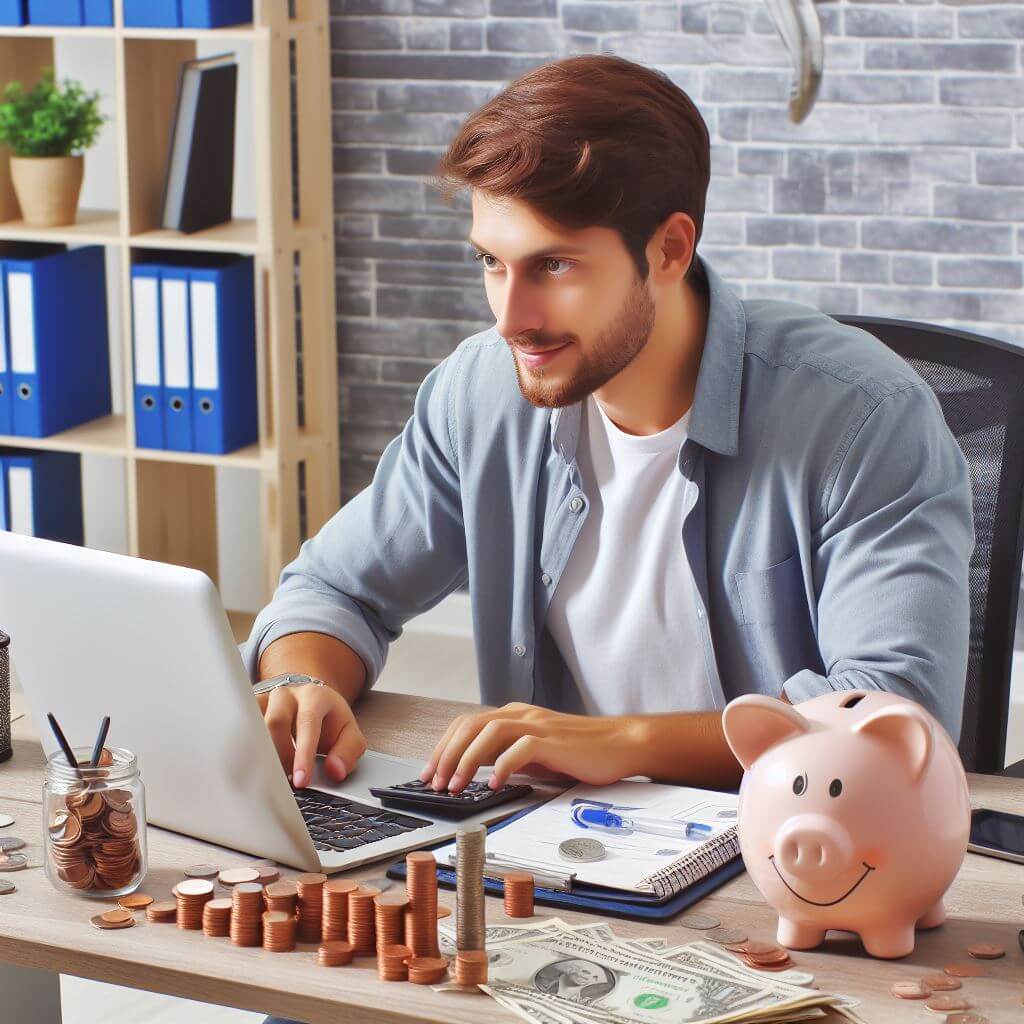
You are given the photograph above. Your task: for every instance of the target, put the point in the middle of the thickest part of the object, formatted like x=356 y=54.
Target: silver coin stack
x=5 y=697
x=470 y=928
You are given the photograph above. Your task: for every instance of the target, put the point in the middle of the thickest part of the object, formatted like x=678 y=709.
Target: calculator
x=477 y=796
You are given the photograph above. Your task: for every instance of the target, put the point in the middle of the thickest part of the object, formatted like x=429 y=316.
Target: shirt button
x=546 y=580
x=519 y=650
x=700 y=613
x=576 y=504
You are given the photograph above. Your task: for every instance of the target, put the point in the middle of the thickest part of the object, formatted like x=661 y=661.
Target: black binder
x=199 y=182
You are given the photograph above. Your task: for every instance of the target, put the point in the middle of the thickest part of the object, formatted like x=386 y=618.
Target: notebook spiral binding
x=696 y=865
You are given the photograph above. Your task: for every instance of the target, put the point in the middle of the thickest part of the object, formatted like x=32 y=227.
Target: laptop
x=95 y=633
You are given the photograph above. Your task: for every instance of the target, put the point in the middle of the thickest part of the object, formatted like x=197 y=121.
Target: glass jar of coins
x=94 y=823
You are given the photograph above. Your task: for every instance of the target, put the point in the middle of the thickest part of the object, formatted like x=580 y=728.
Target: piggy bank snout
x=813 y=846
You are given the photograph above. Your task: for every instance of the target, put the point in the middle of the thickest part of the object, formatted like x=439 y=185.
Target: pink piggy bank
x=853 y=814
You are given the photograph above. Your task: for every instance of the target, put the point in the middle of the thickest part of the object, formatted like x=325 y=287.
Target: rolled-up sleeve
x=891 y=560
x=392 y=552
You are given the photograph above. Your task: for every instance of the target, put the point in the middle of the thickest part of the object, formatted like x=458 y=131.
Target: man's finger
x=309 y=717
x=279 y=716
x=345 y=751
x=494 y=738
x=456 y=747
x=430 y=768
x=526 y=750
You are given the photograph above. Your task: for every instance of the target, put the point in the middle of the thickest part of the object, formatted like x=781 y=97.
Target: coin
x=389 y=920
x=910 y=990
x=966 y=970
x=309 y=888
x=13 y=861
x=725 y=936
x=6 y=888
x=235 y=876
x=135 y=901
x=217 y=918
x=335 y=953
x=421 y=888
x=5 y=820
x=10 y=843
x=268 y=875
x=943 y=1002
x=518 y=894
x=581 y=851
x=470 y=926
x=162 y=910
x=941 y=982
x=118 y=916
x=702 y=922
x=97 y=921
x=986 y=951
x=471 y=967
x=195 y=887
x=202 y=871
x=970 y=1017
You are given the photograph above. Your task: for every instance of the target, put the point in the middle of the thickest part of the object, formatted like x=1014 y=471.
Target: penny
x=236 y=876
x=8 y=844
x=702 y=922
x=6 y=888
x=966 y=970
x=986 y=951
x=941 y=982
x=97 y=922
x=581 y=851
x=202 y=871
x=118 y=916
x=759 y=948
x=970 y=1017
x=267 y=876
x=944 y=1003
x=135 y=901
x=12 y=861
x=910 y=990
x=5 y=820
x=162 y=910
x=194 y=887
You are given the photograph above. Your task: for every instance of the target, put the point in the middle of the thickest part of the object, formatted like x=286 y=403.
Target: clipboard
x=597 y=898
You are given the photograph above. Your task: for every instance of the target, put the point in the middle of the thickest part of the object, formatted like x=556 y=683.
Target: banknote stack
x=550 y=972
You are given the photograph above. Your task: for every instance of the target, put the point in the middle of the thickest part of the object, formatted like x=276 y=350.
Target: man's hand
x=321 y=722
x=521 y=737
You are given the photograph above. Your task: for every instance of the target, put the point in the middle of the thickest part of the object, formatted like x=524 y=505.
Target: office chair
x=979 y=382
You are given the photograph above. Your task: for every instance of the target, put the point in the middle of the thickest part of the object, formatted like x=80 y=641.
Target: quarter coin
x=5 y=820
x=6 y=888
x=10 y=843
x=13 y=861
x=235 y=876
x=202 y=871
x=700 y=921
x=581 y=851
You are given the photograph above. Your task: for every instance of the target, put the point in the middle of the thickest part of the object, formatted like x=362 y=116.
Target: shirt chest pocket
x=772 y=595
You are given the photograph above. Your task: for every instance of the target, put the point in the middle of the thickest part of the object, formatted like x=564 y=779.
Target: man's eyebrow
x=550 y=251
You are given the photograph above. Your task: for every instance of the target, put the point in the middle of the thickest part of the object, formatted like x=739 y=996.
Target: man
x=659 y=495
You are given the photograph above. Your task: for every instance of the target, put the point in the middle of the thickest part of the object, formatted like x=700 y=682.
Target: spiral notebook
x=647 y=855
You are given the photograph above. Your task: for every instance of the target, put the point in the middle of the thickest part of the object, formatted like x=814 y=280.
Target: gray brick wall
x=901 y=195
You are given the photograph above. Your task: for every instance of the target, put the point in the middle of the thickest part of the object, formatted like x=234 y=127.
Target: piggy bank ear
x=906 y=729
x=754 y=723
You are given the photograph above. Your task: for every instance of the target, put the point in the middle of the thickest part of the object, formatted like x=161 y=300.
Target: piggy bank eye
x=799 y=784
x=835 y=787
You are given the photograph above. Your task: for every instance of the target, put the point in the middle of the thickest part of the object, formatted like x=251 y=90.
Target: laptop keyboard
x=337 y=823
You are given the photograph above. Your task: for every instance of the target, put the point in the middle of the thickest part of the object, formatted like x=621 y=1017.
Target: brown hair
x=589 y=141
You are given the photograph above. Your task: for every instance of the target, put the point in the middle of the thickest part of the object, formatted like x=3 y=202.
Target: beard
x=613 y=350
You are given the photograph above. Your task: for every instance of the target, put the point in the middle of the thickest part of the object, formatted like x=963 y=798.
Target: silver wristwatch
x=288 y=679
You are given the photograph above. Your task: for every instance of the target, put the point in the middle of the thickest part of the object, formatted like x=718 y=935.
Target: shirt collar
x=715 y=414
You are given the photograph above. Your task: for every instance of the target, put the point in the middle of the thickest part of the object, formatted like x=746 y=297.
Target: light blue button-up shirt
x=829 y=541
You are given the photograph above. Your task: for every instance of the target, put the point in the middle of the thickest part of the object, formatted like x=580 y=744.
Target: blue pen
x=602 y=820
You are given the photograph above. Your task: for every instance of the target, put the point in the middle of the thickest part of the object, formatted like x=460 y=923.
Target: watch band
x=287 y=679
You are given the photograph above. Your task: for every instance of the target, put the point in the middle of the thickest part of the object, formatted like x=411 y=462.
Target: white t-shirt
x=623 y=613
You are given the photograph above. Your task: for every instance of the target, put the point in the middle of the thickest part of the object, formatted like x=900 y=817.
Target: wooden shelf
x=101 y=227
x=239 y=235
x=105 y=436
x=171 y=497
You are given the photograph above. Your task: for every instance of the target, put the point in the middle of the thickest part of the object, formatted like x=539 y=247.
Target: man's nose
x=519 y=312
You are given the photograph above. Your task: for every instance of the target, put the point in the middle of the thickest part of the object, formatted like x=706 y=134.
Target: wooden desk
x=43 y=929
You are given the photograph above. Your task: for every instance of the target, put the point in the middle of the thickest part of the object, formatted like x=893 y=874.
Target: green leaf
x=48 y=120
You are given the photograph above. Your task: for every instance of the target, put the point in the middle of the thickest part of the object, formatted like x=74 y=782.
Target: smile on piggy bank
x=853 y=814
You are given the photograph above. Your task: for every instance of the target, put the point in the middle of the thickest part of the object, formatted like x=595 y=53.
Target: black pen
x=100 y=740
x=62 y=740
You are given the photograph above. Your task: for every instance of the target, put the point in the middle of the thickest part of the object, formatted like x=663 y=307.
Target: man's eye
x=483 y=256
x=554 y=259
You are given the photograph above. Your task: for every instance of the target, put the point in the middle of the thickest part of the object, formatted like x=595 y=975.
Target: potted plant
x=48 y=127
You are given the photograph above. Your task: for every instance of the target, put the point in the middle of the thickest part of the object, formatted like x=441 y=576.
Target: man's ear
x=755 y=723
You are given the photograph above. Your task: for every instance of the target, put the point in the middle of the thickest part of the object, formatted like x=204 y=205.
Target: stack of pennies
x=470 y=928
x=246 y=913
x=192 y=895
x=763 y=956
x=518 y=894
x=389 y=918
x=93 y=839
x=281 y=896
x=217 y=918
x=163 y=911
x=421 y=888
x=335 y=908
x=362 y=920
x=311 y=906
x=111 y=919
x=471 y=967
x=278 y=931
x=426 y=970
x=391 y=959
x=335 y=953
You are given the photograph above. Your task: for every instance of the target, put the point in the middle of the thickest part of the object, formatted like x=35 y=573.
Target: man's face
x=569 y=303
